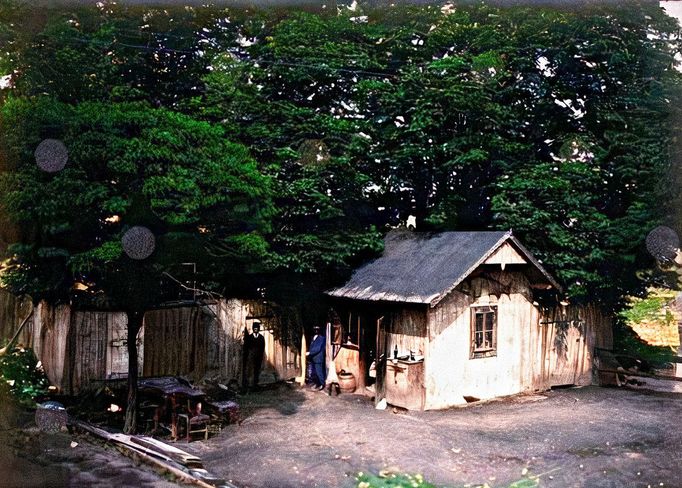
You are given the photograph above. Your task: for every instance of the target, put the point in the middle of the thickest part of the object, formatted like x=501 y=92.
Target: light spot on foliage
x=51 y=155
x=138 y=242
x=663 y=243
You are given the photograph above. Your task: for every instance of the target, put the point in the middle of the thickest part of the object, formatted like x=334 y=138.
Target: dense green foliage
x=19 y=369
x=129 y=164
x=395 y=480
x=392 y=481
x=552 y=122
x=653 y=312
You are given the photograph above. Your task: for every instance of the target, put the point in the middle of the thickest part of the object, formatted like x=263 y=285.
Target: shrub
x=20 y=370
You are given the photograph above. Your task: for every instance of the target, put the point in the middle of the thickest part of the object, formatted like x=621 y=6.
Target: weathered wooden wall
x=535 y=349
x=13 y=310
x=450 y=373
x=91 y=353
x=227 y=336
x=569 y=335
x=208 y=340
x=117 y=357
x=407 y=330
x=282 y=355
x=77 y=347
x=49 y=337
x=175 y=342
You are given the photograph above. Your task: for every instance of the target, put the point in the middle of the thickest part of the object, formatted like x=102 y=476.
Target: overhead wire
x=323 y=63
x=246 y=58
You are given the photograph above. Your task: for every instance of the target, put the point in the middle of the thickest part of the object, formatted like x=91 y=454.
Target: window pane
x=489 y=320
x=483 y=331
x=479 y=322
x=478 y=341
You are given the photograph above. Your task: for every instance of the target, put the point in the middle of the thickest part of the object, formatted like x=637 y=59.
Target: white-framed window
x=483 y=332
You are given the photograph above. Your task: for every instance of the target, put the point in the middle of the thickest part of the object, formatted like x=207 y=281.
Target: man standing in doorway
x=316 y=356
x=254 y=349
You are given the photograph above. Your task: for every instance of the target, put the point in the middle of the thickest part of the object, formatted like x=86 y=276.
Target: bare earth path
x=594 y=437
x=30 y=458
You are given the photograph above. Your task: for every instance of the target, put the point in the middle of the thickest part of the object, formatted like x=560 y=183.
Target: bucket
x=346 y=382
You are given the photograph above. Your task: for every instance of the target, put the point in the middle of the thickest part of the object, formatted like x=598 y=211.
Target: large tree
x=129 y=165
x=296 y=114
x=552 y=122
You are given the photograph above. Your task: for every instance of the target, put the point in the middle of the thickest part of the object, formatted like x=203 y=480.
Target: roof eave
x=508 y=236
x=378 y=297
x=438 y=298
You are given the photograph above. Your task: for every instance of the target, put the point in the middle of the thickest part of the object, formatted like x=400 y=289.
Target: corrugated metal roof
x=424 y=267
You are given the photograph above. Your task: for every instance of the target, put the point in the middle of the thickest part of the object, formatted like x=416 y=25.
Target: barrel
x=346 y=382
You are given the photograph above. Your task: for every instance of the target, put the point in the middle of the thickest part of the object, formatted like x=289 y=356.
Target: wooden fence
x=12 y=311
x=79 y=346
x=568 y=336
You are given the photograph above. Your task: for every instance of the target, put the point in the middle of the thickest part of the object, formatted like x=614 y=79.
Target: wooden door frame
x=381 y=359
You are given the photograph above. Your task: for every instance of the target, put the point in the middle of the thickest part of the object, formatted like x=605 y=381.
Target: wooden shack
x=452 y=317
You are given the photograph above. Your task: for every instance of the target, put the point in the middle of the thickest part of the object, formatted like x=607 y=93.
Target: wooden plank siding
x=50 y=333
x=175 y=342
x=13 y=310
x=406 y=328
x=79 y=346
x=536 y=349
x=451 y=374
x=282 y=356
x=569 y=336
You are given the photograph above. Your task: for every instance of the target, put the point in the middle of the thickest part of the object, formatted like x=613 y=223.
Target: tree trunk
x=134 y=325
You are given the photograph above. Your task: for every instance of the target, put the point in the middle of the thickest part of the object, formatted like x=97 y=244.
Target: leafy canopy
x=129 y=164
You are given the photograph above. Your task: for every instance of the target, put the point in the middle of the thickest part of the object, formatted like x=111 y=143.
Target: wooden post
x=381 y=358
x=304 y=350
x=134 y=325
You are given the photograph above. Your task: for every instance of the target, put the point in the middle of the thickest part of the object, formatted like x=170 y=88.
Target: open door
x=381 y=358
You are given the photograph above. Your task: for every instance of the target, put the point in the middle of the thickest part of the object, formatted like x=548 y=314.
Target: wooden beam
x=11 y=342
x=644 y=375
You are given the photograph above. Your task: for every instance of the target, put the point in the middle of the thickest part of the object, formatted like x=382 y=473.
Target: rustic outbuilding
x=442 y=319
x=80 y=348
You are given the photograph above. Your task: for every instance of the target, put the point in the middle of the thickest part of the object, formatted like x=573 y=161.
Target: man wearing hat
x=254 y=350
x=316 y=356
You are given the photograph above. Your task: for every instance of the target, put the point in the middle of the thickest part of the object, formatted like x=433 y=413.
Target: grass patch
x=388 y=479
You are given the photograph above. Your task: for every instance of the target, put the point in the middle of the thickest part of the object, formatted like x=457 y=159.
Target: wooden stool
x=190 y=423
x=195 y=423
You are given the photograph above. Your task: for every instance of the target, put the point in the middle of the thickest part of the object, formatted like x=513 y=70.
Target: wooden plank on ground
x=178 y=455
x=186 y=467
x=101 y=433
x=644 y=375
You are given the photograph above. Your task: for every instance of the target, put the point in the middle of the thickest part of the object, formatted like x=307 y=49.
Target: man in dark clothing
x=254 y=349
x=316 y=356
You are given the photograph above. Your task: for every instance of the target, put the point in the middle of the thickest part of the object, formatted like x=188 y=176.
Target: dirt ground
x=30 y=458
x=596 y=437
